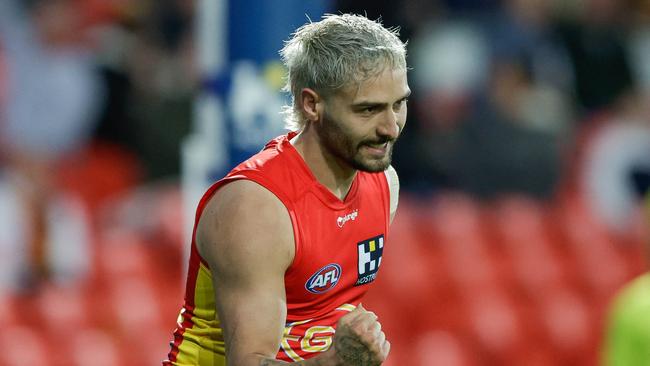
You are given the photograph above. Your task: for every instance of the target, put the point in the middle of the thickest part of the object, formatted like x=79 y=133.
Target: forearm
x=316 y=361
x=327 y=358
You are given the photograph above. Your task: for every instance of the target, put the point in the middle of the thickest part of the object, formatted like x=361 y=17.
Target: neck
x=329 y=170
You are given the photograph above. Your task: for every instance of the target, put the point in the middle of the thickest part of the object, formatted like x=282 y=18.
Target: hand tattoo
x=352 y=351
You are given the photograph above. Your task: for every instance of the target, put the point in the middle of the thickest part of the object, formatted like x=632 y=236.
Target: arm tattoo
x=269 y=362
x=353 y=352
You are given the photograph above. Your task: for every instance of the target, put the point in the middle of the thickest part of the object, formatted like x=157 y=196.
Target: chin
x=372 y=166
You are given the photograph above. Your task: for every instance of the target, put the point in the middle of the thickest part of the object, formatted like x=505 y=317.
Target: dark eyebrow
x=406 y=96
x=365 y=104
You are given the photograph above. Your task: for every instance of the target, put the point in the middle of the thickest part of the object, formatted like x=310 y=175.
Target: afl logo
x=324 y=279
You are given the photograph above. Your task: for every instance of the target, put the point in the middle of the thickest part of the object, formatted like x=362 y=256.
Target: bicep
x=245 y=236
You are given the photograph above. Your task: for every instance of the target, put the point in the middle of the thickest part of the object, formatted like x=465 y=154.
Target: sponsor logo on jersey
x=370 y=252
x=324 y=279
x=345 y=218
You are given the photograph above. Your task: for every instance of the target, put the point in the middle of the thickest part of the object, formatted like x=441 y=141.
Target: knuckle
x=382 y=337
x=379 y=355
x=346 y=319
x=357 y=329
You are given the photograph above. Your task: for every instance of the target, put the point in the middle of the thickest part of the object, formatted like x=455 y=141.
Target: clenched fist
x=359 y=340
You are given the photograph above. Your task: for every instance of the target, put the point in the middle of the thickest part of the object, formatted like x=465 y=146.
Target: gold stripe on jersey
x=287 y=336
x=346 y=307
x=317 y=338
x=203 y=343
x=313 y=343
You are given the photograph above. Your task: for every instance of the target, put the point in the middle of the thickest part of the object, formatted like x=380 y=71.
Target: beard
x=337 y=141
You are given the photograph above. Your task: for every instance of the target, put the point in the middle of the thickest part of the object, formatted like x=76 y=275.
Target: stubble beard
x=338 y=143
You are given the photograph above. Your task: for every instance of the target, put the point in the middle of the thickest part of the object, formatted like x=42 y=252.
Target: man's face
x=360 y=124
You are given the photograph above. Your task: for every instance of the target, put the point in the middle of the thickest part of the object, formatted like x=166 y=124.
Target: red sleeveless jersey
x=338 y=251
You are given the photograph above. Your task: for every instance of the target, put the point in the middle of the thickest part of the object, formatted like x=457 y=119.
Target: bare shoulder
x=244 y=218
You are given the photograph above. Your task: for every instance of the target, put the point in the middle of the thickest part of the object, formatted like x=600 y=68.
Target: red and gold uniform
x=338 y=251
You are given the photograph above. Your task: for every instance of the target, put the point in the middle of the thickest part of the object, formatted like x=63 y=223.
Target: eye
x=368 y=110
x=400 y=104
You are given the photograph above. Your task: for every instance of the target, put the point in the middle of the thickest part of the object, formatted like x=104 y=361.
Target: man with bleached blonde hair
x=287 y=244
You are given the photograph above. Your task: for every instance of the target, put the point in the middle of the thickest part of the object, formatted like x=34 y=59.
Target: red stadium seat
x=409 y=271
x=454 y=217
x=135 y=307
x=24 y=346
x=103 y=172
x=8 y=316
x=454 y=225
x=494 y=322
x=471 y=270
x=63 y=310
x=519 y=219
x=536 y=270
x=442 y=348
x=94 y=347
x=511 y=279
x=568 y=325
x=138 y=322
x=122 y=254
x=598 y=261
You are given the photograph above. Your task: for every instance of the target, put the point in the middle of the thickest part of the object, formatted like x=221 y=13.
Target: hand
x=359 y=341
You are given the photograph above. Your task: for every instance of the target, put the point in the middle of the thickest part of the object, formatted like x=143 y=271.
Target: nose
x=389 y=125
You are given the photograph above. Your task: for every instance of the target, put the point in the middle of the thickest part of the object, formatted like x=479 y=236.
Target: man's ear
x=312 y=104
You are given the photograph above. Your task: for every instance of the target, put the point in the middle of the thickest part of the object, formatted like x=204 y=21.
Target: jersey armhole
x=393 y=188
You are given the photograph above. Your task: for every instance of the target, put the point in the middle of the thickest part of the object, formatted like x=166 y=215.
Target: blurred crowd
x=96 y=97
x=536 y=97
x=529 y=96
x=521 y=95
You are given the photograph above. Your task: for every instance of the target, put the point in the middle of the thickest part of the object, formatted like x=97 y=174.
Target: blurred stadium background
x=518 y=221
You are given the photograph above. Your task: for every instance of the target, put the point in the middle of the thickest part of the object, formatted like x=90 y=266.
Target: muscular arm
x=246 y=236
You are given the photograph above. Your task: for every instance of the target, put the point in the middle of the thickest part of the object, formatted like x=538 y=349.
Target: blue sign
x=250 y=86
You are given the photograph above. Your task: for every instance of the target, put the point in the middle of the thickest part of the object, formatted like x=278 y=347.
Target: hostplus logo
x=370 y=252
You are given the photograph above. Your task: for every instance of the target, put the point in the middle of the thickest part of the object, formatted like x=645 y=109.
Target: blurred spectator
x=639 y=51
x=524 y=39
x=639 y=44
x=614 y=150
x=450 y=64
x=485 y=125
x=409 y=16
x=596 y=45
x=526 y=30
x=147 y=62
x=449 y=59
x=52 y=95
x=470 y=7
x=497 y=149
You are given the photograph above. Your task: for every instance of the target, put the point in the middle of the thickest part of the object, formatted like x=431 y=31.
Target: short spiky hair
x=337 y=51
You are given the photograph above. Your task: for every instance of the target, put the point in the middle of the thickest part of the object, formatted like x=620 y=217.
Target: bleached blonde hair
x=338 y=51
